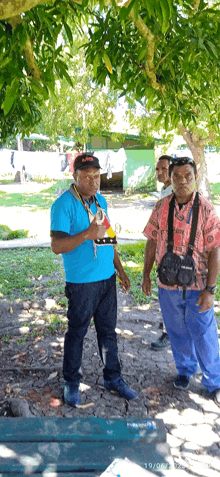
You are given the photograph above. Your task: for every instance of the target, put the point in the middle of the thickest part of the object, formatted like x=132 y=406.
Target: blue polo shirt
x=80 y=265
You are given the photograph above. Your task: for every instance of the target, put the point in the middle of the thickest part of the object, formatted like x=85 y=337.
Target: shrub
x=145 y=186
x=7 y=234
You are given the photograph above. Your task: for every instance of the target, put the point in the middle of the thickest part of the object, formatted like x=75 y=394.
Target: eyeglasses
x=180 y=161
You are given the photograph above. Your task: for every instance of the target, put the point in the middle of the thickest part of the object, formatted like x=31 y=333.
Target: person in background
x=162 y=174
x=81 y=232
x=188 y=313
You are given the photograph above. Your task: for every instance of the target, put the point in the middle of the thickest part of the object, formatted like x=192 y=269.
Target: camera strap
x=195 y=214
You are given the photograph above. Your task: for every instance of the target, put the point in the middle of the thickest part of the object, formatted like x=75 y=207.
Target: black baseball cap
x=86 y=160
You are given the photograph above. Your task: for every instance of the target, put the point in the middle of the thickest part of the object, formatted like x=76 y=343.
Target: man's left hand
x=124 y=281
x=205 y=301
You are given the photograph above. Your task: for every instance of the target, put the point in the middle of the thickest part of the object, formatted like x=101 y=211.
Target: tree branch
x=193 y=138
x=9 y=9
x=186 y=134
x=12 y=9
x=195 y=6
x=34 y=70
x=211 y=137
x=14 y=21
x=149 y=66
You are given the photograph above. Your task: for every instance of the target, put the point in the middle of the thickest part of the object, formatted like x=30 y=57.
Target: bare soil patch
x=31 y=363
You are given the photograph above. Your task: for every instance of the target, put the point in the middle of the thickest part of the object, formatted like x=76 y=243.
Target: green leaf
x=39 y=89
x=172 y=70
x=8 y=101
x=96 y=62
x=170 y=3
x=107 y=62
x=7 y=104
x=165 y=14
x=136 y=11
x=65 y=74
x=213 y=48
x=159 y=119
x=166 y=122
x=5 y=61
x=150 y=100
x=58 y=50
x=68 y=32
x=23 y=38
x=124 y=11
x=25 y=105
x=150 y=8
x=10 y=96
x=142 y=53
x=201 y=43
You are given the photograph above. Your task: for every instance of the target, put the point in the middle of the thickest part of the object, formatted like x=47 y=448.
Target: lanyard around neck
x=195 y=212
x=83 y=201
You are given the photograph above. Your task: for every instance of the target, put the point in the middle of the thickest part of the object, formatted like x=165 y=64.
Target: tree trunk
x=27 y=144
x=202 y=174
x=196 y=146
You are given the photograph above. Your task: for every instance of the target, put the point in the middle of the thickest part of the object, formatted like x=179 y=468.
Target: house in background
x=124 y=164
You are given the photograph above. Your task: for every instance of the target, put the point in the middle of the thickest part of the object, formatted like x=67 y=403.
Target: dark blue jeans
x=87 y=300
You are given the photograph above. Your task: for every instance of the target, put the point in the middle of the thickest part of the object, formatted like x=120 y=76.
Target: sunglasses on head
x=180 y=161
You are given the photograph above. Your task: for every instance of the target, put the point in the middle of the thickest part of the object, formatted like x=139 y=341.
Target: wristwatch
x=211 y=289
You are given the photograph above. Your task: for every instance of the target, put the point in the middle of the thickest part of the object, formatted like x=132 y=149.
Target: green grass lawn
x=29 y=273
x=132 y=258
x=215 y=192
x=42 y=200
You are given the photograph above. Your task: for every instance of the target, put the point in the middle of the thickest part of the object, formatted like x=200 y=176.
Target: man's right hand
x=95 y=231
x=146 y=286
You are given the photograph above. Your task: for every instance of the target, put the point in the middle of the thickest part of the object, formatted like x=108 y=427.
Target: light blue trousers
x=193 y=335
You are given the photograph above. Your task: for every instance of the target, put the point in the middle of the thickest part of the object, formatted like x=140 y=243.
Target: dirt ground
x=31 y=363
x=31 y=351
x=31 y=355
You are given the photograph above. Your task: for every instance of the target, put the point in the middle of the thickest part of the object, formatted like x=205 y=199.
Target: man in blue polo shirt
x=81 y=232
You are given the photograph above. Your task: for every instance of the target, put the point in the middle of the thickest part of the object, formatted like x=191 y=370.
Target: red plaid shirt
x=207 y=234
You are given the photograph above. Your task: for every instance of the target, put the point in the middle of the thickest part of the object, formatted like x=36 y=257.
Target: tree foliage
x=164 y=53
x=80 y=110
x=31 y=60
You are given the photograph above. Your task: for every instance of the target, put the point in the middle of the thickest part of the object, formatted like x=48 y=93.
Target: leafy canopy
x=81 y=110
x=31 y=58
x=164 y=52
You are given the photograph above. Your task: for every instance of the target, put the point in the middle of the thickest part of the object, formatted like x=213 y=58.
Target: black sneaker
x=216 y=397
x=181 y=382
x=121 y=387
x=161 y=343
x=71 y=394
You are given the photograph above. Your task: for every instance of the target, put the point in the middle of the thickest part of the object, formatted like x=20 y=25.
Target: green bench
x=79 y=447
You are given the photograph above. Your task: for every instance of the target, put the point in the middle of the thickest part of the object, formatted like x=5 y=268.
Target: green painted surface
x=81 y=429
x=80 y=456
x=79 y=446
x=138 y=165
